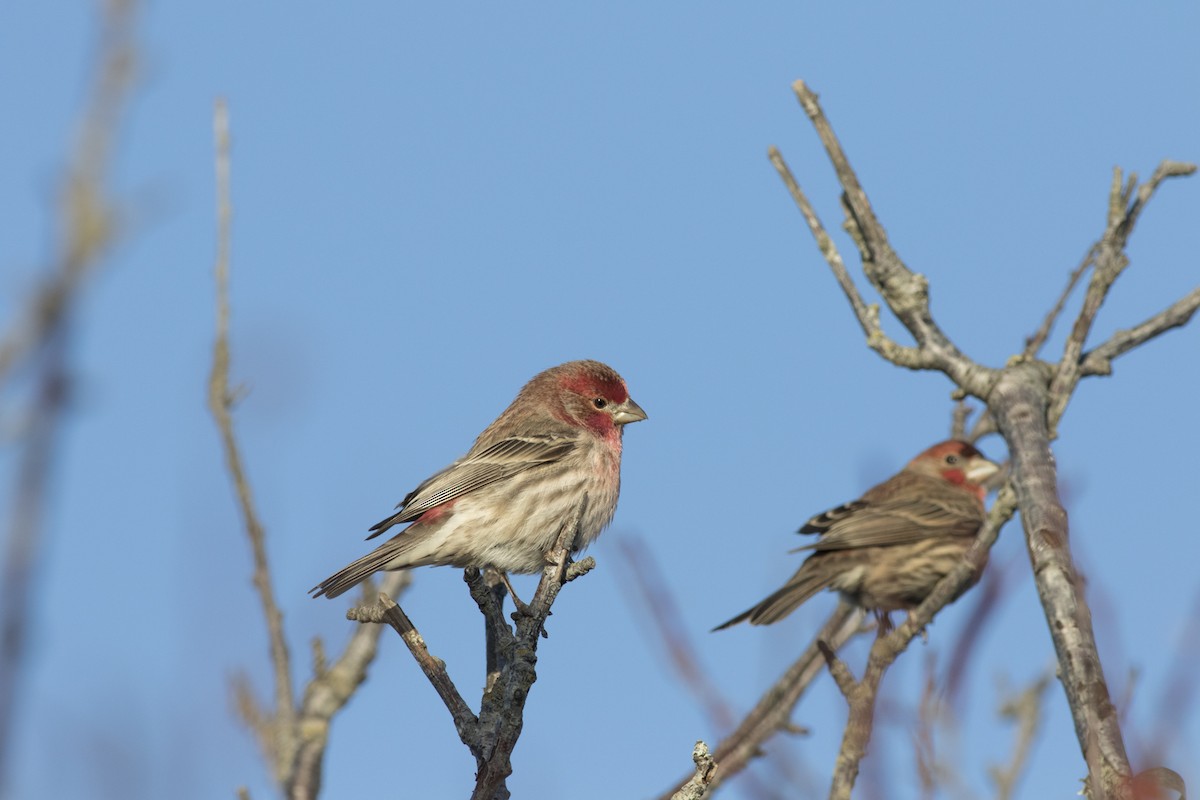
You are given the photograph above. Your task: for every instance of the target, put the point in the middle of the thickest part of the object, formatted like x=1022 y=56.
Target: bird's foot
x=522 y=608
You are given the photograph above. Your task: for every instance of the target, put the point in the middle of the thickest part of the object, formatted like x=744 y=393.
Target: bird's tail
x=803 y=585
x=395 y=553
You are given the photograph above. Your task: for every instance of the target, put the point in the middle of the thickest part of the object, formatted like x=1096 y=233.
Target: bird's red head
x=594 y=380
x=957 y=462
x=586 y=394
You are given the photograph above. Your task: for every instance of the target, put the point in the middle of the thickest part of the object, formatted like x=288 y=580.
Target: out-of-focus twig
x=1025 y=708
x=39 y=337
x=773 y=712
x=278 y=738
x=293 y=735
x=1033 y=344
x=658 y=603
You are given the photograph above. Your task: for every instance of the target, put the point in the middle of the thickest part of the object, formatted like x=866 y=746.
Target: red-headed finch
x=505 y=502
x=887 y=550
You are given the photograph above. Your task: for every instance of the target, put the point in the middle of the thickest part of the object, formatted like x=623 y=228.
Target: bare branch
x=868 y=316
x=1026 y=709
x=905 y=292
x=1110 y=261
x=959 y=418
x=773 y=712
x=281 y=744
x=1019 y=402
x=88 y=218
x=838 y=669
x=387 y=611
x=328 y=692
x=706 y=770
x=1034 y=343
x=40 y=335
x=659 y=606
x=1099 y=360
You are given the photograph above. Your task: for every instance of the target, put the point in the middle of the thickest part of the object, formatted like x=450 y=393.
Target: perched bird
x=887 y=550
x=504 y=503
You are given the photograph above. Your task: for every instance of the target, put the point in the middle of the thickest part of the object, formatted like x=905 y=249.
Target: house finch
x=887 y=550
x=504 y=503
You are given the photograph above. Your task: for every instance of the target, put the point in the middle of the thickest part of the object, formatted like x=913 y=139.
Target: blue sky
x=434 y=202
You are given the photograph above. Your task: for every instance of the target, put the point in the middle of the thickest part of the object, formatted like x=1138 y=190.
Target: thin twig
x=959 y=418
x=1110 y=262
x=327 y=694
x=659 y=606
x=1034 y=343
x=905 y=292
x=837 y=668
x=280 y=742
x=1099 y=360
x=387 y=611
x=1026 y=709
x=706 y=770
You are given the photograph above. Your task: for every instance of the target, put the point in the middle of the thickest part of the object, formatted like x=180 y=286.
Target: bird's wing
x=900 y=521
x=496 y=462
x=827 y=519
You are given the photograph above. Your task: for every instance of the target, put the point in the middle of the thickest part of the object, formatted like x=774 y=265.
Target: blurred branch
x=87 y=215
x=329 y=691
x=772 y=714
x=1025 y=709
x=1034 y=343
x=40 y=336
x=658 y=604
x=1099 y=360
x=1025 y=401
x=293 y=737
x=279 y=737
x=1178 y=695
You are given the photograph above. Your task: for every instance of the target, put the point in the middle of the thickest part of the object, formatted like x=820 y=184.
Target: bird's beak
x=980 y=469
x=627 y=412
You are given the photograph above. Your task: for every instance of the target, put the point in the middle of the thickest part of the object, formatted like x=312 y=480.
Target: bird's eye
x=600 y=402
x=951 y=459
